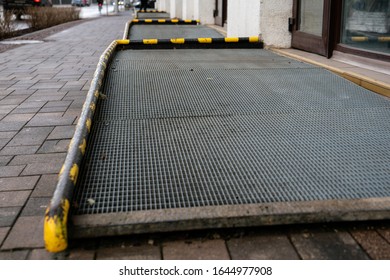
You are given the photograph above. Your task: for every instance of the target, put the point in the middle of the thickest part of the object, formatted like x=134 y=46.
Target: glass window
x=366 y=24
x=310 y=16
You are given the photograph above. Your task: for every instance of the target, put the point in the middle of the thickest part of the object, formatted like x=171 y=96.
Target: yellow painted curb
x=205 y=40
x=363 y=81
x=232 y=39
x=178 y=41
x=123 y=42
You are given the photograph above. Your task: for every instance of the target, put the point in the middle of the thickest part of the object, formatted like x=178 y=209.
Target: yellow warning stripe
x=205 y=40
x=178 y=41
x=232 y=40
x=55 y=229
x=150 y=41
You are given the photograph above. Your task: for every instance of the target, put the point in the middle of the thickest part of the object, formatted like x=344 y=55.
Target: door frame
x=220 y=12
x=316 y=44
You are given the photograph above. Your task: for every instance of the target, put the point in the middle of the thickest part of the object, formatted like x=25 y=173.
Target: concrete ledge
x=265 y=214
x=363 y=81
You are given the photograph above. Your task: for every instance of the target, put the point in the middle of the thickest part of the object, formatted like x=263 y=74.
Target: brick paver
x=41 y=96
x=195 y=250
x=326 y=244
x=266 y=246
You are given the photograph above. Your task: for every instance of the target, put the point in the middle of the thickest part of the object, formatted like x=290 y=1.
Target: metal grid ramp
x=154 y=15
x=173 y=139
x=209 y=161
x=169 y=84
x=139 y=32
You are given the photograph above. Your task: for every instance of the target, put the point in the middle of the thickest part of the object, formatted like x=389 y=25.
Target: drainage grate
x=230 y=132
x=139 y=32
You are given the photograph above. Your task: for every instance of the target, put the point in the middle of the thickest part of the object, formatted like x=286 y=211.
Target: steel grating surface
x=139 y=32
x=153 y=16
x=208 y=137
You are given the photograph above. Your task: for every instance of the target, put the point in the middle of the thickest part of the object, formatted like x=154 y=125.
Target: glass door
x=310 y=26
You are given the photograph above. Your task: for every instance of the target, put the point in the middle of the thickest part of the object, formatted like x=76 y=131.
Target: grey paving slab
x=46 y=97
x=19 y=150
x=142 y=252
x=17 y=118
x=54 y=146
x=81 y=254
x=4 y=160
x=20 y=237
x=50 y=119
x=18 y=183
x=195 y=250
x=36 y=206
x=62 y=132
x=3 y=142
x=5 y=109
x=52 y=167
x=375 y=245
x=40 y=254
x=8 y=215
x=37 y=158
x=31 y=136
x=11 y=171
x=11 y=126
x=266 y=246
x=53 y=109
x=31 y=104
x=3 y=234
x=33 y=110
x=319 y=244
x=46 y=186
x=7 y=134
x=13 y=199
x=14 y=255
x=384 y=231
x=13 y=99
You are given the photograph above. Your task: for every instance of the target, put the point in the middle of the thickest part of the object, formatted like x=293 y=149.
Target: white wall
x=243 y=18
x=189 y=9
x=176 y=9
x=203 y=10
x=274 y=22
x=163 y=5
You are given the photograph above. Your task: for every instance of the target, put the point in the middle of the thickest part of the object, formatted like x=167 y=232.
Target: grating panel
x=139 y=32
x=179 y=93
x=219 y=135
x=189 y=162
x=199 y=54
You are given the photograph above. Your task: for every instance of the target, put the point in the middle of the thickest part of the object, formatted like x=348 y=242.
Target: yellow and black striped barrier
x=56 y=216
x=130 y=23
x=381 y=39
x=165 y=21
x=151 y=11
x=228 y=42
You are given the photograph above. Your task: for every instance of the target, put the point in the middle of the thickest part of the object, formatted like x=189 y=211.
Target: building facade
x=360 y=27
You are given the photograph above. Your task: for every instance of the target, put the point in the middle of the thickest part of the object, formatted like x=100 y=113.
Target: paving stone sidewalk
x=42 y=90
